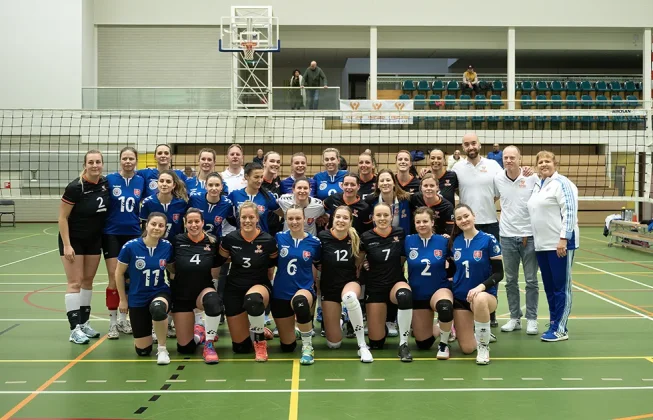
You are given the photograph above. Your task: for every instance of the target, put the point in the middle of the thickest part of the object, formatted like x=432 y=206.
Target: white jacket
x=553 y=208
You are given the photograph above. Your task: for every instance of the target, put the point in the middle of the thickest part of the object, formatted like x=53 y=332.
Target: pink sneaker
x=199 y=334
x=261 y=350
x=209 y=354
x=267 y=333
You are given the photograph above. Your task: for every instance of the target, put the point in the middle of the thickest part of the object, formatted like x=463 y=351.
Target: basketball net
x=248 y=50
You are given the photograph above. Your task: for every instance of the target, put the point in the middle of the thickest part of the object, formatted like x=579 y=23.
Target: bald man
x=313 y=78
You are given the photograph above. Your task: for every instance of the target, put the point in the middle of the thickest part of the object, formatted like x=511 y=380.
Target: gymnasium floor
x=605 y=371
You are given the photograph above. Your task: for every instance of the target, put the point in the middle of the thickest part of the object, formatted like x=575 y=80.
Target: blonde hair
x=331 y=149
x=546 y=153
x=207 y=150
x=180 y=188
x=248 y=205
x=353 y=235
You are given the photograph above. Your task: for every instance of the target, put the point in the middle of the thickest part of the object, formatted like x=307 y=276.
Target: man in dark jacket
x=313 y=78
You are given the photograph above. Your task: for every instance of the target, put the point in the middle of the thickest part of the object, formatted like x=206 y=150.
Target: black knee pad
x=425 y=344
x=288 y=348
x=212 y=304
x=254 y=304
x=244 y=346
x=404 y=298
x=144 y=352
x=302 y=309
x=444 y=308
x=377 y=344
x=188 y=348
x=158 y=310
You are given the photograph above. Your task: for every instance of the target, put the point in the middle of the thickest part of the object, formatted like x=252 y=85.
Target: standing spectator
x=453 y=159
x=296 y=93
x=189 y=172
x=259 y=157
x=496 y=154
x=470 y=80
x=517 y=243
x=313 y=78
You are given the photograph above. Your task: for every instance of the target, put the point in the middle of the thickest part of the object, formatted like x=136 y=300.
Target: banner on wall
x=376 y=112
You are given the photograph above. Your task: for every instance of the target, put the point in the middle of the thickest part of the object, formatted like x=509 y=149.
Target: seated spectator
x=259 y=157
x=453 y=159
x=470 y=80
x=496 y=154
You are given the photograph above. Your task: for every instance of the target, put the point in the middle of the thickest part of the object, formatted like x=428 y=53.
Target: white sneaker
x=77 y=336
x=124 y=326
x=531 y=327
x=482 y=354
x=113 y=332
x=443 y=351
x=392 y=329
x=172 y=332
x=154 y=339
x=511 y=325
x=89 y=331
x=365 y=354
x=162 y=357
x=493 y=338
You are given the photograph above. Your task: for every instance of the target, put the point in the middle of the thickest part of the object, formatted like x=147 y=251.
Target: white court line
x=374 y=379
x=175 y=381
x=15 y=382
x=614 y=303
x=334 y=380
x=59 y=382
x=335 y=390
x=531 y=379
x=413 y=379
x=572 y=379
x=45 y=231
x=616 y=275
x=96 y=381
x=136 y=381
x=21 y=237
x=255 y=380
x=493 y=379
x=611 y=379
x=28 y=258
x=453 y=379
x=648 y=380
x=218 y=380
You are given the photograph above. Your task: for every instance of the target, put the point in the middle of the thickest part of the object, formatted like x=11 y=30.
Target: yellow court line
x=650 y=359
x=294 y=391
x=592 y=239
x=22 y=237
x=643 y=416
x=49 y=382
x=598 y=292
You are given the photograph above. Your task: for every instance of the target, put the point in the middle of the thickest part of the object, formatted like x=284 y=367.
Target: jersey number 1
x=466 y=265
x=149 y=272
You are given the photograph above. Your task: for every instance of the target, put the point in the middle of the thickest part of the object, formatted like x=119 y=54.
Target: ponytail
x=355 y=242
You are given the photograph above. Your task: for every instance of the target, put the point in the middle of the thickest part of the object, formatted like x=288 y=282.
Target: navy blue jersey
x=174 y=211
x=124 y=203
x=146 y=267
x=472 y=259
x=295 y=264
x=151 y=176
x=328 y=184
x=213 y=214
x=195 y=185
x=286 y=186
x=426 y=265
x=265 y=202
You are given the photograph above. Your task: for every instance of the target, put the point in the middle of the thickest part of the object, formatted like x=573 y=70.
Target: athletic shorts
x=333 y=293
x=184 y=296
x=234 y=299
x=422 y=304
x=141 y=319
x=89 y=246
x=375 y=293
x=282 y=308
x=112 y=244
x=461 y=304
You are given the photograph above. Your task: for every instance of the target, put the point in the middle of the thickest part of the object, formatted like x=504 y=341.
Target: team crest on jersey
x=412 y=254
x=104 y=188
x=403 y=214
x=395 y=239
x=323 y=185
x=261 y=209
x=354 y=212
x=456 y=255
x=437 y=253
x=207 y=247
x=306 y=255
x=483 y=168
x=140 y=264
x=153 y=184
x=137 y=193
x=284 y=251
x=116 y=192
x=259 y=249
x=478 y=255
x=447 y=183
x=522 y=183
x=175 y=217
x=217 y=220
x=496 y=249
x=162 y=264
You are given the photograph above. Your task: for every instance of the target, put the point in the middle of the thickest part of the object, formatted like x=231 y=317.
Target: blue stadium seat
x=437 y=86
x=556 y=101
x=602 y=101
x=617 y=101
x=526 y=102
x=630 y=87
x=632 y=102
x=480 y=102
x=527 y=87
x=586 y=101
x=449 y=101
x=571 y=102
x=496 y=102
x=408 y=86
x=423 y=86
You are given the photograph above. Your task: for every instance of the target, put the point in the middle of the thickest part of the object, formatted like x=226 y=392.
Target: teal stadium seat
x=615 y=86
x=404 y=97
x=408 y=86
x=557 y=87
x=449 y=102
x=480 y=103
x=419 y=102
x=423 y=86
x=586 y=102
x=498 y=86
x=542 y=87
x=572 y=87
x=630 y=87
x=602 y=102
x=541 y=102
x=465 y=101
x=526 y=103
x=437 y=86
x=495 y=103
x=601 y=87
x=571 y=102
x=556 y=102
x=435 y=101
x=453 y=86
x=617 y=101
x=527 y=87
x=631 y=101
x=586 y=87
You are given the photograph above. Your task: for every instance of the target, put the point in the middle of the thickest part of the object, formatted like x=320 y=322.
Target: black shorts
x=461 y=304
x=378 y=294
x=491 y=228
x=333 y=293
x=234 y=299
x=112 y=244
x=422 y=304
x=281 y=308
x=141 y=319
x=184 y=296
x=88 y=246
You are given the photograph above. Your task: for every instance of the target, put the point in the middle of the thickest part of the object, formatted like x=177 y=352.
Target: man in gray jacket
x=313 y=78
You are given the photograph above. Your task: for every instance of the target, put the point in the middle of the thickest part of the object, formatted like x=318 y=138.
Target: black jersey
x=443 y=212
x=250 y=261
x=448 y=183
x=273 y=186
x=194 y=260
x=384 y=257
x=89 y=212
x=361 y=211
x=367 y=188
x=338 y=262
x=412 y=186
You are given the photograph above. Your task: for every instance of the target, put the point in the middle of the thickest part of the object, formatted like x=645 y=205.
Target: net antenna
x=251 y=34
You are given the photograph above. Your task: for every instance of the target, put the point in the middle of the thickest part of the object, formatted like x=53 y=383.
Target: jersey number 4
x=196 y=259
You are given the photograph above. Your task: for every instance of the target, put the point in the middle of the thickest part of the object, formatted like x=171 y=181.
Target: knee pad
x=444 y=308
x=350 y=301
x=188 y=348
x=144 y=352
x=288 y=348
x=425 y=344
x=302 y=309
x=377 y=344
x=243 y=347
x=212 y=304
x=112 y=299
x=404 y=298
x=254 y=304
x=334 y=345
x=158 y=310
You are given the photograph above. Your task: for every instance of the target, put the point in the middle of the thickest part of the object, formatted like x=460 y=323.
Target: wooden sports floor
x=605 y=370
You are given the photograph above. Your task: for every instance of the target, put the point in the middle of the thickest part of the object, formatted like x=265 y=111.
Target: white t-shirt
x=314 y=210
x=515 y=222
x=233 y=182
x=476 y=187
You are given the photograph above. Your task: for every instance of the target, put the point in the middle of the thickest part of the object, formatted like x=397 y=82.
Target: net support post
x=511 y=68
x=648 y=74
x=373 y=63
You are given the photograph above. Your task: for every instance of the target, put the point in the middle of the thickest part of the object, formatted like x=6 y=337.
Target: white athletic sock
x=72 y=302
x=350 y=300
x=257 y=326
x=122 y=317
x=85 y=297
x=482 y=332
x=198 y=317
x=404 y=318
x=113 y=317
x=444 y=336
x=212 y=323
x=307 y=338
x=161 y=348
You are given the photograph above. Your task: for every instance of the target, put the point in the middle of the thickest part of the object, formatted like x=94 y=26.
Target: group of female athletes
x=341 y=235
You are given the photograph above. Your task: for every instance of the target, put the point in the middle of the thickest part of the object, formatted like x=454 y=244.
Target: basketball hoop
x=248 y=50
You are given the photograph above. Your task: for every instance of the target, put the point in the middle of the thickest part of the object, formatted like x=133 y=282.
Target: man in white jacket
x=553 y=208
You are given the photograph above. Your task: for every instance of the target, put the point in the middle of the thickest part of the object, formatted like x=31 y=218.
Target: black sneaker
x=493 y=320
x=350 y=331
x=404 y=353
